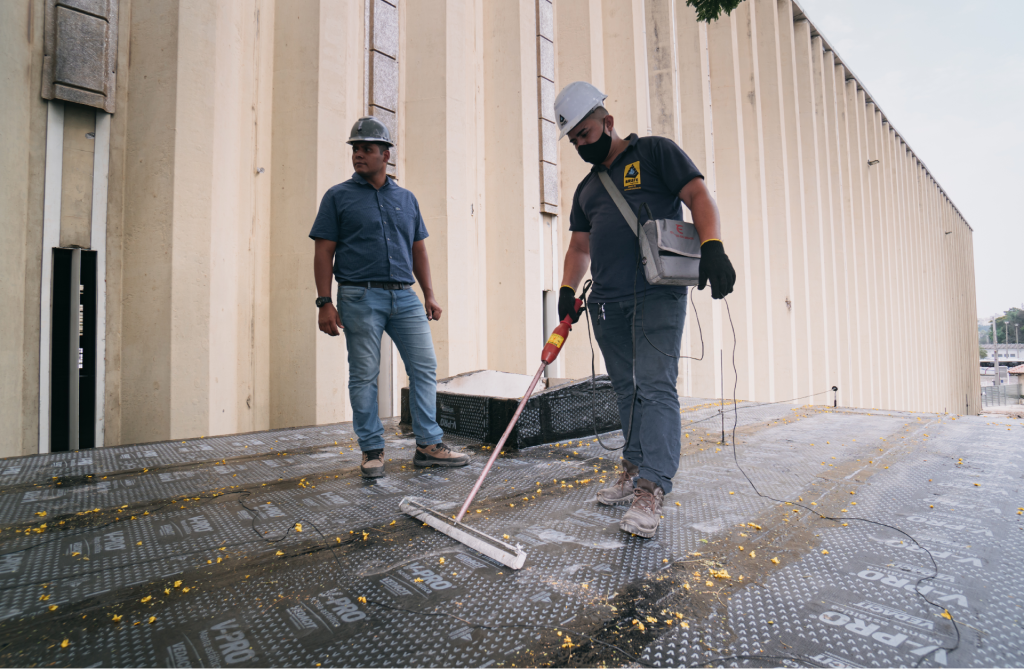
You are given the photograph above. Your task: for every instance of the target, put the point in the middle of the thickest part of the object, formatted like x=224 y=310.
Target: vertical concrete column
x=905 y=275
x=862 y=230
x=149 y=217
x=318 y=94
x=192 y=219
x=890 y=240
x=22 y=165
x=916 y=284
x=882 y=285
x=777 y=141
x=850 y=246
x=441 y=163
x=909 y=275
x=661 y=56
x=940 y=289
x=883 y=246
x=972 y=297
x=795 y=117
x=861 y=235
x=664 y=100
x=579 y=56
x=514 y=287
x=924 y=279
x=696 y=136
x=625 y=65
x=949 y=300
x=729 y=102
x=240 y=230
x=865 y=113
x=904 y=263
x=840 y=246
x=815 y=219
x=831 y=243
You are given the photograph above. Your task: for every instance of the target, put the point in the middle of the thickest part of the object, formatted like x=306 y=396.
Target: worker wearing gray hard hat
x=638 y=326
x=369 y=234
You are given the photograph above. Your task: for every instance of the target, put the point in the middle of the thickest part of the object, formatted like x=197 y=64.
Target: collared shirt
x=651 y=170
x=374 y=230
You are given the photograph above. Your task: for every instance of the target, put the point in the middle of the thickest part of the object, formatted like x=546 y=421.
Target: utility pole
x=995 y=343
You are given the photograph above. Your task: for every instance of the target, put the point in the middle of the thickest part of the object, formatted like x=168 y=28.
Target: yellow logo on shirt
x=631 y=176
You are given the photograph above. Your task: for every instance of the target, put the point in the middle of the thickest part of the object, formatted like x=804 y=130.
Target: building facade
x=183 y=170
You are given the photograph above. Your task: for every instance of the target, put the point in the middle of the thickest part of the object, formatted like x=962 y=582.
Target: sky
x=949 y=76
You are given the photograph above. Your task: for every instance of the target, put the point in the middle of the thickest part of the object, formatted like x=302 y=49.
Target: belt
x=386 y=285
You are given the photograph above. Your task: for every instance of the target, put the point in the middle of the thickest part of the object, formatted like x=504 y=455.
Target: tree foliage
x=982 y=353
x=710 y=10
x=1005 y=332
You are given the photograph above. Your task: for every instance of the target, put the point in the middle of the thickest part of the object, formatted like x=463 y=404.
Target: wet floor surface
x=269 y=549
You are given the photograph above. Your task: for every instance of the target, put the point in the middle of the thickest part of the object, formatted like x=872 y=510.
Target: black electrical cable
x=917 y=585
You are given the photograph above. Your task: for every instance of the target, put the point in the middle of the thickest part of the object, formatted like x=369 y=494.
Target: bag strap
x=620 y=202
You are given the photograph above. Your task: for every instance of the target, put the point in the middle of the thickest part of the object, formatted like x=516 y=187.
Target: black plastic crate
x=566 y=411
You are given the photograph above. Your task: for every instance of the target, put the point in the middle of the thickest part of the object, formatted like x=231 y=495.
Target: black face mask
x=596 y=152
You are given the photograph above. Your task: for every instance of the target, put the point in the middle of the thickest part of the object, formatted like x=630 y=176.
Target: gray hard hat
x=369 y=129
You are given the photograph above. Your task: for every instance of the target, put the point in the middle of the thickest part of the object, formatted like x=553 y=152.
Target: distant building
x=1006 y=351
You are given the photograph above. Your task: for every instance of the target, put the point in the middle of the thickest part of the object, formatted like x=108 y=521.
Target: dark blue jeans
x=655 y=439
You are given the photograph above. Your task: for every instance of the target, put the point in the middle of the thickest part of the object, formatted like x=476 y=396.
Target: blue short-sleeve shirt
x=374 y=230
x=651 y=170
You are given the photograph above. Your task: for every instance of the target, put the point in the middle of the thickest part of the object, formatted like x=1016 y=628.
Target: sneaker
x=373 y=464
x=622 y=490
x=439 y=455
x=644 y=513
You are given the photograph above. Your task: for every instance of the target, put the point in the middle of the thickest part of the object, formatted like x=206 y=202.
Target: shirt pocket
x=404 y=221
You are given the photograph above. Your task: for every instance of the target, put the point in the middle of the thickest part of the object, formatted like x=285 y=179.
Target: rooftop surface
x=190 y=553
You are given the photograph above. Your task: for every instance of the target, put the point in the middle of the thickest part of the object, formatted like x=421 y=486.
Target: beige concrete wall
x=443 y=86
x=579 y=55
x=230 y=125
x=511 y=183
x=23 y=133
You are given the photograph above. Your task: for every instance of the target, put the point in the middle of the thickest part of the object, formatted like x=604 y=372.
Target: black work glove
x=715 y=268
x=567 y=304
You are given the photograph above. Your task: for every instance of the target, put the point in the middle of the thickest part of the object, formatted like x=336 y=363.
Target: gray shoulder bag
x=669 y=250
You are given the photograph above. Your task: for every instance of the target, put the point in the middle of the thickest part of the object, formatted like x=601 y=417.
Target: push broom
x=492 y=547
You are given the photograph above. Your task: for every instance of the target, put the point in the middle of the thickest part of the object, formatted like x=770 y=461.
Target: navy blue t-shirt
x=374 y=230
x=651 y=170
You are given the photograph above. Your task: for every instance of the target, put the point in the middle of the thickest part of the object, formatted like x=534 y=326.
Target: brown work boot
x=373 y=464
x=622 y=490
x=644 y=513
x=439 y=455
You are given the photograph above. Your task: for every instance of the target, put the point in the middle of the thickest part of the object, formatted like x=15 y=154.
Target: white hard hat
x=574 y=103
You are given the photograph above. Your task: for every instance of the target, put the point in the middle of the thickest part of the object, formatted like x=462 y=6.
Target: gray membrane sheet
x=190 y=553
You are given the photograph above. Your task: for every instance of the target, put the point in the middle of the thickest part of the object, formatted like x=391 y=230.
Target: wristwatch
x=321 y=301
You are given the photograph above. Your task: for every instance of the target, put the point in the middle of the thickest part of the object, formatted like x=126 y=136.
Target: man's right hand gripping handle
x=567 y=304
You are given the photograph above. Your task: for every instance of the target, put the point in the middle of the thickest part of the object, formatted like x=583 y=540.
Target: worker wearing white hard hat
x=638 y=326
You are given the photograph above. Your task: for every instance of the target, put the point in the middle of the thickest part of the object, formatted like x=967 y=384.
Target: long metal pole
x=995 y=343
x=501 y=443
